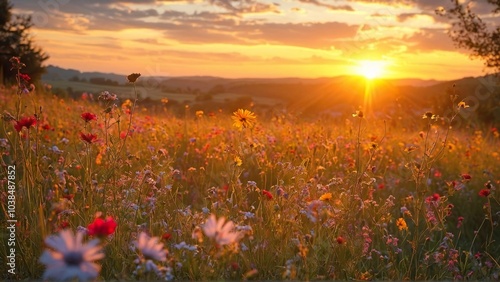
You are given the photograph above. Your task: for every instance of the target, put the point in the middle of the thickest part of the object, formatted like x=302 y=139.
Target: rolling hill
x=341 y=94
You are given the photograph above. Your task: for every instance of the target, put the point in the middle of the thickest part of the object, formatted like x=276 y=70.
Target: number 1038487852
x=11 y=191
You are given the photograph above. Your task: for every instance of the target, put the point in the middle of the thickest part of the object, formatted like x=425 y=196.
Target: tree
x=482 y=38
x=471 y=32
x=16 y=41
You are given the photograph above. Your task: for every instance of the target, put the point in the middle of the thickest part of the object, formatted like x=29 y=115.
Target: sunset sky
x=250 y=38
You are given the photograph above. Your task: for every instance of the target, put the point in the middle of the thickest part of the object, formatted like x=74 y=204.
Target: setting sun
x=371 y=69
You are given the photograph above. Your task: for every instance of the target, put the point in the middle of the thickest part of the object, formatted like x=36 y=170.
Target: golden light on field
x=371 y=69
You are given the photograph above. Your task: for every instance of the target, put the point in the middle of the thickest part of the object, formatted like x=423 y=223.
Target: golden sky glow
x=371 y=69
x=248 y=38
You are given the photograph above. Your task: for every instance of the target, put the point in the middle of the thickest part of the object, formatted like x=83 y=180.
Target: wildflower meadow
x=104 y=190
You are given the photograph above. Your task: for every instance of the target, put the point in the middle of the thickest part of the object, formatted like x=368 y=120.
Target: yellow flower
x=243 y=119
x=127 y=104
x=325 y=197
x=401 y=224
x=365 y=276
x=199 y=114
x=462 y=105
x=358 y=114
x=237 y=161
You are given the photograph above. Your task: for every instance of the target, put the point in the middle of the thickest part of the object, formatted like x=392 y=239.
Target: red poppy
x=466 y=177
x=267 y=194
x=484 y=192
x=88 y=117
x=102 y=228
x=340 y=240
x=25 y=122
x=436 y=197
x=166 y=236
x=89 y=137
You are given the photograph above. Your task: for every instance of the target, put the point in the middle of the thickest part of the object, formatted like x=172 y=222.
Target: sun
x=371 y=69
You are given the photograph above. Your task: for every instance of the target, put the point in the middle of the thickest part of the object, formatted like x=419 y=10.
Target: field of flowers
x=102 y=190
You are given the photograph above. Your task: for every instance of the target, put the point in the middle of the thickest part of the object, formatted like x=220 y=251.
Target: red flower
x=466 y=177
x=88 y=117
x=235 y=266
x=47 y=127
x=69 y=196
x=478 y=255
x=166 y=236
x=89 y=137
x=64 y=224
x=267 y=194
x=340 y=240
x=25 y=122
x=24 y=77
x=102 y=228
x=484 y=192
x=436 y=197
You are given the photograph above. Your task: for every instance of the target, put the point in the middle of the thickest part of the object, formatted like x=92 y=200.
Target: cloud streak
x=352 y=28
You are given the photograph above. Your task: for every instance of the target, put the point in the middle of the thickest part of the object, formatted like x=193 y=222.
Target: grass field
x=345 y=199
x=153 y=92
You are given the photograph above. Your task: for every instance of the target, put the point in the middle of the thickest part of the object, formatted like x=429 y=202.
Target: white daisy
x=151 y=248
x=221 y=231
x=70 y=258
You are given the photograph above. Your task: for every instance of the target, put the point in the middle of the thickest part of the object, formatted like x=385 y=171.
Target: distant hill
x=206 y=82
x=57 y=73
x=301 y=95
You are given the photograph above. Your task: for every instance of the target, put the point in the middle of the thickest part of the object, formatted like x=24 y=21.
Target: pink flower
x=151 y=248
x=220 y=231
